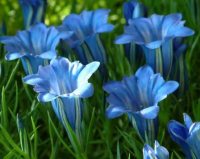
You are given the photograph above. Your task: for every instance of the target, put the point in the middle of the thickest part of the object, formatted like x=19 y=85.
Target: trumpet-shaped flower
x=131 y=10
x=155 y=30
x=155 y=34
x=159 y=152
x=86 y=27
x=138 y=96
x=34 y=45
x=186 y=136
x=61 y=82
x=33 y=11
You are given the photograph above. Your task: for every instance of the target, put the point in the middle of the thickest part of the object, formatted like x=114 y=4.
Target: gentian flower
x=131 y=10
x=186 y=136
x=34 y=46
x=159 y=152
x=33 y=11
x=63 y=83
x=138 y=96
x=86 y=27
x=155 y=34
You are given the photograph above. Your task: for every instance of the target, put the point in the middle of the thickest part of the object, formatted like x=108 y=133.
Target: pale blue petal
x=124 y=39
x=187 y=120
x=87 y=71
x=167 y=88
x=150 y=112
x=32 y=79
x=46 y=97
x=154 y=44
x=183 y=32
x=13 y=56
x=48 y=55
x=148 y=152
x=115 y=111
x=105 y=28
x=84 y=91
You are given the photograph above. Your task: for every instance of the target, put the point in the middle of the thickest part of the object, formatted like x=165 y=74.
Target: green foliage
x=30 y=130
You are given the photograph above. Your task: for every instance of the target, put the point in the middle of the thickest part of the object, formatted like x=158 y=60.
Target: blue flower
x=156 y=34
x=62 y=82
x=134 y=9
x=131 y=10
x=186 y=136
x=138 y=96
x=33 y=46
x=155 y=30
x=33 y=11
x=86 y=27
x=159 y=152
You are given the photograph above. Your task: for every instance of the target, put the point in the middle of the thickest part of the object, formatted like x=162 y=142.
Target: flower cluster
x=158 y=39
x=156 y=35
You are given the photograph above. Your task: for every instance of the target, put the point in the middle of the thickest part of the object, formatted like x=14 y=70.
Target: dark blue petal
x=179 y=133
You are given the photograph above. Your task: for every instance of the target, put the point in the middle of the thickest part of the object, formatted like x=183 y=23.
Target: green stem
x=159 y=62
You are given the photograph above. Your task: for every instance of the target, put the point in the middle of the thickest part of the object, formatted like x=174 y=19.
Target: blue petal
x=179 y=134
x=84 y=91
x=124 y=39
x=144 y=73
x=183 y=32
x=154 y=44
x=194 y=139
x=87 y=71
x=148 y=152
x=46 y=97
x=111 y=86
x=167 y=88
x=115 y=111
x=105 y=28
x=161 y=152
x=13 y=56
x=32 y=79
x=187 y=120
x=150 y=112
x=48 y=55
